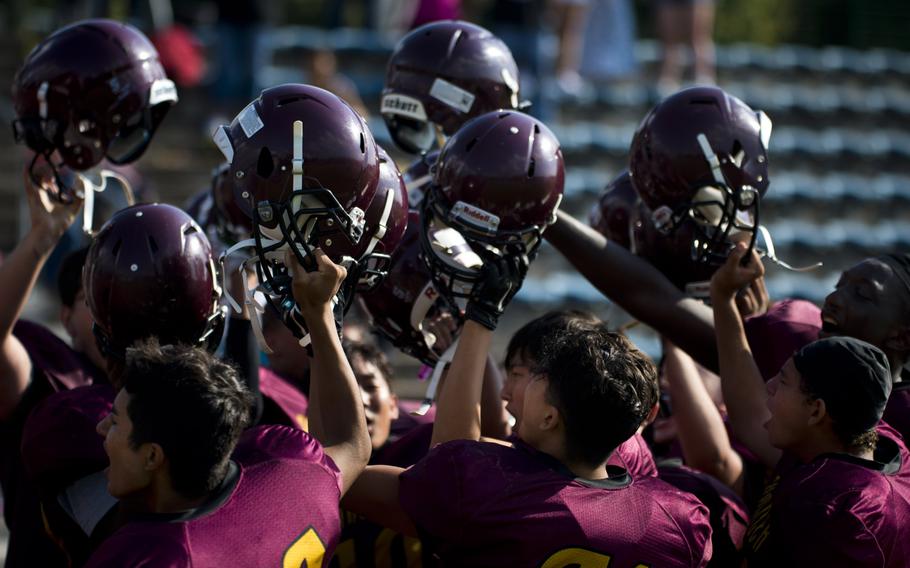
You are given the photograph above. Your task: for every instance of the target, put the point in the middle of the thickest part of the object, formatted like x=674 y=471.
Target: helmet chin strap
x=771 y=255
x=433 y=385
x=89 y=188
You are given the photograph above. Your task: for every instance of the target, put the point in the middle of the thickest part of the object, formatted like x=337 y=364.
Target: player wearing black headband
x=841 y=491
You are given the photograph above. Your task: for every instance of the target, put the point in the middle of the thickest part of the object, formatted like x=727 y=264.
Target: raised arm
x=702 y=434
x=342 y=428
x=741 y=381
x=18 y=274
x=637 y=287
x=458 y=415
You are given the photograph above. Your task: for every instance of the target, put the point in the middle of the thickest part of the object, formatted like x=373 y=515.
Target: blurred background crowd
x=834 y=76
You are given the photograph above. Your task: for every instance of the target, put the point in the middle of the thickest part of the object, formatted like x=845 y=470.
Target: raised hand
x=734 y=275
x=501 y=278
x=49 y=217
x=313 y=291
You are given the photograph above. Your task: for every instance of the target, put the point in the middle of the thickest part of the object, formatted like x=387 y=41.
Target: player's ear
x=652 y=416
x=551 y=418
x=66 y=318
x=153 y=456
x=393 y=408
x=817 y=411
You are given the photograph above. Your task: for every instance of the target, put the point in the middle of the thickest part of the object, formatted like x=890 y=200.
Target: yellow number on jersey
x=307 y=551
x=580 y=558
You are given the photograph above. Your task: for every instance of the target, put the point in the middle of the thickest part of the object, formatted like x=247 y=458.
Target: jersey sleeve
x=282 y=442
x=433 y=494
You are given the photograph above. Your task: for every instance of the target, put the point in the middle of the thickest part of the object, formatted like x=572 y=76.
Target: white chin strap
x=771 y=255
x=89 y=188
x=441 y=365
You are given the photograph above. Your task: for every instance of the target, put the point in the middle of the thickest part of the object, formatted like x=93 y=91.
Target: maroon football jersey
x=729 y=518
x=836 y=511
x=635 y=457
x=897 y=412
x=55 y=367
x=780 y=332
x=283 y=403
x=484 y=504
x=280 y=509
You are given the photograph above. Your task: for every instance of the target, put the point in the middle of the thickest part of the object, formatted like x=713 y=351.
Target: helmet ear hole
x=264 y=165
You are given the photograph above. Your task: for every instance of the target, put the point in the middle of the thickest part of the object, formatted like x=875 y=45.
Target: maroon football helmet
x=402 y=303
x=497 y=183
x=443 y=74
x=91 y=90
x=385 y=220
x=702 y=154
x=150 y=272
x=612 y=214
x=231 y=223
x=305 y=168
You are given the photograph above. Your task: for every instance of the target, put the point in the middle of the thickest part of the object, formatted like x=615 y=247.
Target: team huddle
x=158 y=436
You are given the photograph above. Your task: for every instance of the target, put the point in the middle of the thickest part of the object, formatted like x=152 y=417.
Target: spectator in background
x=570 y=22
x=322 y=71
x=435 y=10
x=689 y=22
x=608 y=48
x=238 y=26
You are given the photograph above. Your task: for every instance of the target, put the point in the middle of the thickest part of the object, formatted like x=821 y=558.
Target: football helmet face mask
x=702 y=155
x=497 y=185
x=402 y=304
x=441 y=75
x=95 y=89
x=150 y=272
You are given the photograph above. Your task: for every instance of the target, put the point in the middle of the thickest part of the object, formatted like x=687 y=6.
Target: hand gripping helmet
x=443 y=74
x=497 y=184
x=91 y=90
x=385 y=221
x=150 y=272
x=304 y=168
x=612 y=214
x=401 y=304
x=702 y=154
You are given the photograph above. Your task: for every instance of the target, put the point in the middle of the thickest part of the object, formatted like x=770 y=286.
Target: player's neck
x=578 y=469
x=163 y=498
x=827 y=443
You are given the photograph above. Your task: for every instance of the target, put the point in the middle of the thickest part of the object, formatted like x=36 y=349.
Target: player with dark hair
x=187 y=504
x=550 y=500
x=522 y=353
x=841 y=495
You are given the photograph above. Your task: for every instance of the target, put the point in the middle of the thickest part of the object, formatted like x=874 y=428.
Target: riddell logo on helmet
x=475 y=216
x=404 y=106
